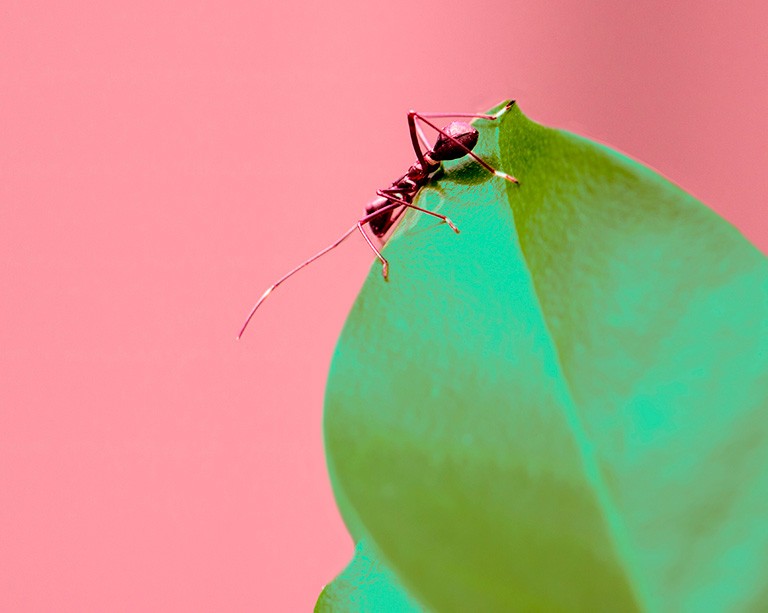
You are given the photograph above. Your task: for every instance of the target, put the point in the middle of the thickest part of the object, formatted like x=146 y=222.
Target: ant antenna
x=322 y=252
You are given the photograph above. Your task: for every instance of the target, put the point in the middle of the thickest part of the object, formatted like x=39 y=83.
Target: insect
x=454 y=141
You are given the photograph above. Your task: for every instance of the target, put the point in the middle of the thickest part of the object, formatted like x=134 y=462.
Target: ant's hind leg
x=415 y=131
x=468 y=151
x=423 y=137
x=492 y=117
x=417 y=134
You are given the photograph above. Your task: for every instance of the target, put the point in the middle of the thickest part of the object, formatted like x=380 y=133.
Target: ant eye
x=448 y=148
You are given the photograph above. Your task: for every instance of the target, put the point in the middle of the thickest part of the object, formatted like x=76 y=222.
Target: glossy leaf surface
x=366 y=585
x=565 y=407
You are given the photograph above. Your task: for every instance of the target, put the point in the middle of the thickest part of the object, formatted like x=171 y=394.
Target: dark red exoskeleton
x=454 y=141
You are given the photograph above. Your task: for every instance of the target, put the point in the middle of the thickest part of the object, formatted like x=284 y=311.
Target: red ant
x=454 y=141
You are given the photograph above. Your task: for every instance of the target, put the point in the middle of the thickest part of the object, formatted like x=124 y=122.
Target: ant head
x=463 y=139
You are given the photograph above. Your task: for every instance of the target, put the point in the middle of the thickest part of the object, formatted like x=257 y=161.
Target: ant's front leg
x=381 y=258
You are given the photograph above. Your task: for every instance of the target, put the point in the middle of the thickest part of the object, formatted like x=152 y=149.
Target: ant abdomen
x=463 y=137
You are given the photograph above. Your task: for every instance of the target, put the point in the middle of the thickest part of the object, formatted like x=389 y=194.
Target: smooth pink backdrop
x=162 y=163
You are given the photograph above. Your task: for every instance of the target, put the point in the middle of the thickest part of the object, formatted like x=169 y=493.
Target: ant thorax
x=417 y=174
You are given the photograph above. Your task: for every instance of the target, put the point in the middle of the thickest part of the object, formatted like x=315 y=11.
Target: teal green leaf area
x=366 y=585
x=565 y=406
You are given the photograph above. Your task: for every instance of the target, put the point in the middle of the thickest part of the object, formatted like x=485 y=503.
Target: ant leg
x=468 y=151
x=496 y=115
x=397 y=215
x=382 y=259
x=342 y=238
x=414 y=130
x=392 y=198
x=392 y=220
x=417 y=133
x=423 y=138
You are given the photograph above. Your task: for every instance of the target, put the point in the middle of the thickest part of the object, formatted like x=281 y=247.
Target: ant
x=454 y=141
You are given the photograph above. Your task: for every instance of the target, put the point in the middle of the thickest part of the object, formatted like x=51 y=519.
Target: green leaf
x=565 y=407
x=366 y=585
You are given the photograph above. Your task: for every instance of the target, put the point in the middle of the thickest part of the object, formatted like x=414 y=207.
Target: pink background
x=162 y=163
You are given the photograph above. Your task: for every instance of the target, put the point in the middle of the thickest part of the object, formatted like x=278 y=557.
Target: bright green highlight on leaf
x=365 y=585
x=564 y=407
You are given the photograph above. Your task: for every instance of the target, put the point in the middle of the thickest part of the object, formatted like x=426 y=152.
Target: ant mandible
x=454 y=141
